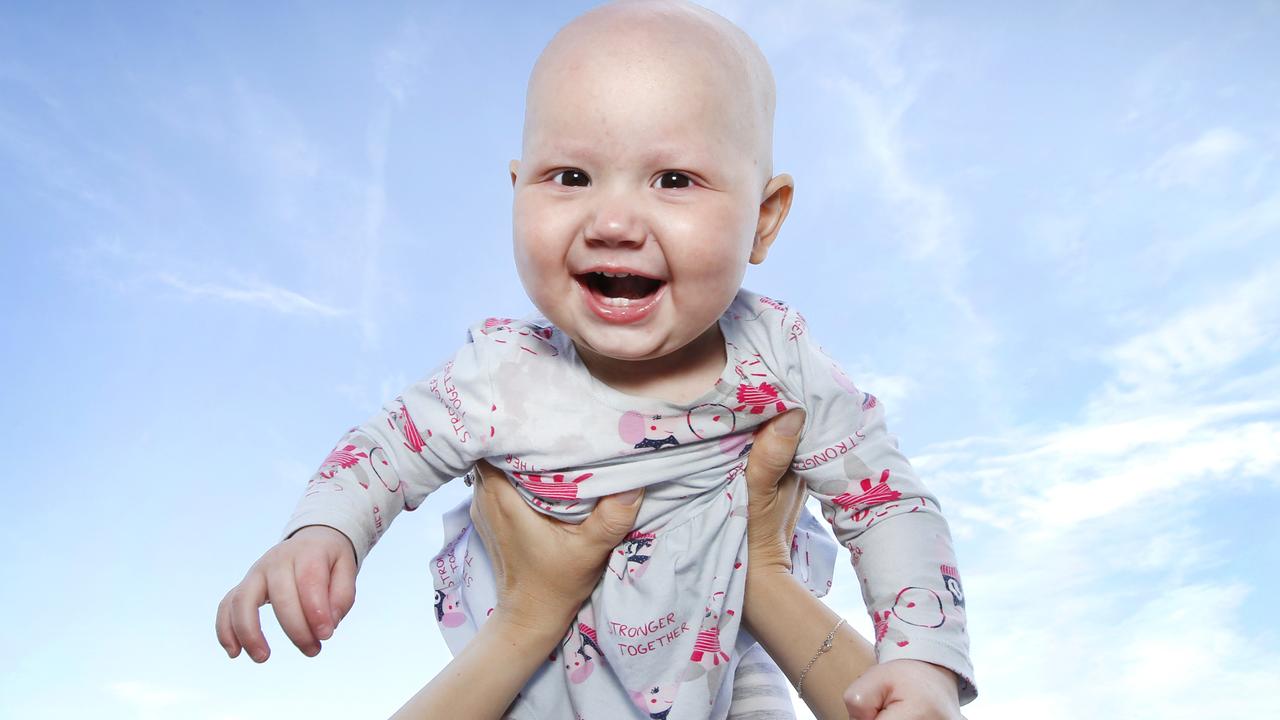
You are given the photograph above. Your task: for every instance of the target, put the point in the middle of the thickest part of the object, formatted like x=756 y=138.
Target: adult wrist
x=537 y=629
x=536 y=611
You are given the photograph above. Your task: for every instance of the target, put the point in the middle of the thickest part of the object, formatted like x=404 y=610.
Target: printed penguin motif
x=656 y=701
x=648 y=431
x=580 y=661
x=449 y=608
x=708 y=420
x=951 y=581
x=629 y=560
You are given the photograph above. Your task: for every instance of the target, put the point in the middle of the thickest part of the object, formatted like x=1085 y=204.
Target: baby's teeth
x=617 y=301
x=615 y=275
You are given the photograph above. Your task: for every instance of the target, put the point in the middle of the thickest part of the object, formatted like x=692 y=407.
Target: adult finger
x=492 y=493
x=773 y=448
x=613 y=517
x=245 y=599
x=222 y=625
x=342 y=587
x=283 y=592
x=311 y=574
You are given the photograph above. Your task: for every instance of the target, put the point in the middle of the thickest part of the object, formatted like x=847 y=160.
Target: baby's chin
x=614 y=345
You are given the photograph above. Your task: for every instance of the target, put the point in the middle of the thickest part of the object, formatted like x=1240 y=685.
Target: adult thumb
x=774 y=446
x=614 y=516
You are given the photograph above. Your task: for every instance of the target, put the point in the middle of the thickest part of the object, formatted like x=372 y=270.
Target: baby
x=644 y=188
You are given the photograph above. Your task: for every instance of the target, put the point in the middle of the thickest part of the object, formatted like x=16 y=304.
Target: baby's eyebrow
x=568 y=149
x=686 y=157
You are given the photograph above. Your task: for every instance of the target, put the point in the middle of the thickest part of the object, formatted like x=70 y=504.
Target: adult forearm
x=791 y=624
x=485 y=678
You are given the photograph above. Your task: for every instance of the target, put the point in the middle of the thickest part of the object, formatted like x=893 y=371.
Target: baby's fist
x=902 y=690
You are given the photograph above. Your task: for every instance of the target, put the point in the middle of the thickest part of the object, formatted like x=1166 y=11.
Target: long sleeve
x=433 y=432
x=880 y=510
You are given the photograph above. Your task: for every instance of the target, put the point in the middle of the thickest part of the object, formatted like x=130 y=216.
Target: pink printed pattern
x=871 y=494
x=779 y=306
x=708 y=641
x=413 y=439
x=343 y=458
x=555 y=488
x=758 y=398
x=881 y=623
x=536 y=342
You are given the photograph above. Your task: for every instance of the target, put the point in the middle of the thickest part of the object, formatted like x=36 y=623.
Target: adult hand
x=545 y=568
x=775 y=494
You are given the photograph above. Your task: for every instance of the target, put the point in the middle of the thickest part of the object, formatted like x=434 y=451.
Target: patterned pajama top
x=660 y=632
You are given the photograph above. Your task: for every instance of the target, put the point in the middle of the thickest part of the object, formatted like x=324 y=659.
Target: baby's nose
x=617 y=221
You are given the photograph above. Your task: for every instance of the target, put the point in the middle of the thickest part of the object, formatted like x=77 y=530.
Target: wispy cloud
x=1101 y=527
x=1190 y=351
x=257 y=294
x=1194 y=162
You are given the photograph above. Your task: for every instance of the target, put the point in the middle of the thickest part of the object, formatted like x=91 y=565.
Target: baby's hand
x=310 y=581
x=901 y=689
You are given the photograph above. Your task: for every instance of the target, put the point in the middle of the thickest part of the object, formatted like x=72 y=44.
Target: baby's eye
x=672 y=180
x=572 y=177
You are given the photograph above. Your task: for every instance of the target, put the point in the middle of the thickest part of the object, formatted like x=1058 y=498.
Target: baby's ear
x=773 y=210
x=513 y=167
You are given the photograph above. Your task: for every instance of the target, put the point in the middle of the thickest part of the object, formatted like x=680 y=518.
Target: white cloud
x=1192 y=349
x=1099 y=579
x=258 y=294
x=1194 y=162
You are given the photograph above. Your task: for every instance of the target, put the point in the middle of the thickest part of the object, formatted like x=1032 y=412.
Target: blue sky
x=228 y=233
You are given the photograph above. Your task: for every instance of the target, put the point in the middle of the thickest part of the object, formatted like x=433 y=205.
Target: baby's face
x=637 y=197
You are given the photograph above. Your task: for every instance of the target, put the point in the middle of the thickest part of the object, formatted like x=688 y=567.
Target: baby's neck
x=679 y=377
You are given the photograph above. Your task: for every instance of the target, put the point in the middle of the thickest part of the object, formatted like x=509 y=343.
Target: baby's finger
x=312 y=576
x=244 y=601
x=222 y=624
x=342 y=587
x=284 y=601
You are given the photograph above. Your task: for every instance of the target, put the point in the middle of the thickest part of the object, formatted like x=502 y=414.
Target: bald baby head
x=698 y=63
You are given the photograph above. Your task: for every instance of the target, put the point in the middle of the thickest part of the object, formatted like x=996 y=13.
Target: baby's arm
x=891 y=524
x=433 y=432
x=418 y=442
x=900 y=545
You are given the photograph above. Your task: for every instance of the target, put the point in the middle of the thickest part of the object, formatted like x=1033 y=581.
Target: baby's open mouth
x=620 y=287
